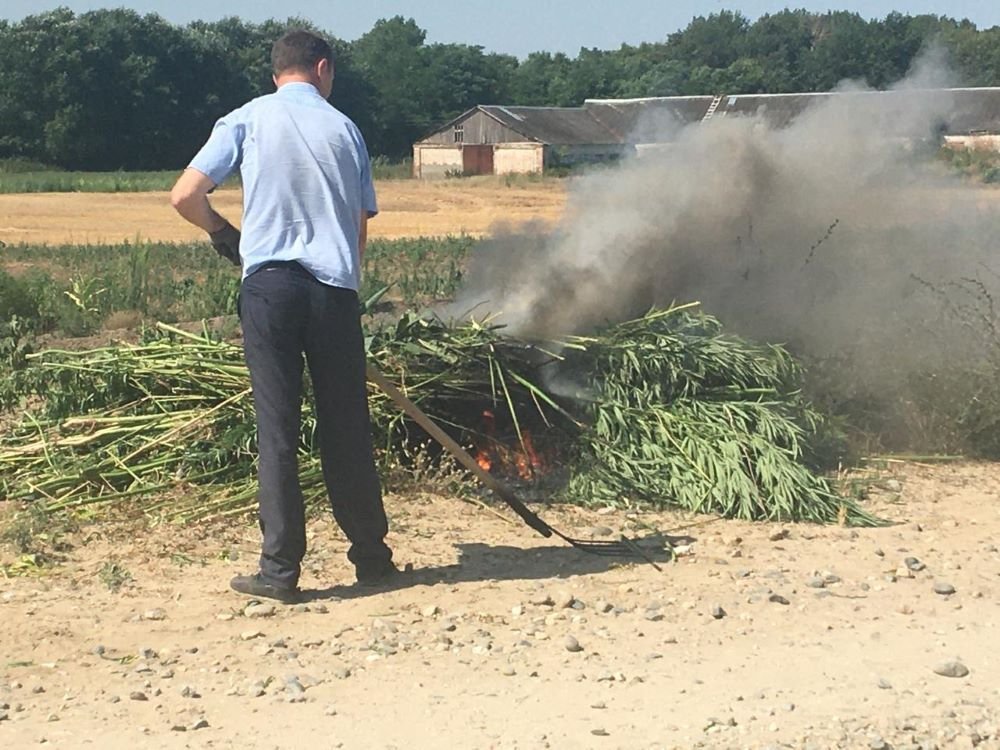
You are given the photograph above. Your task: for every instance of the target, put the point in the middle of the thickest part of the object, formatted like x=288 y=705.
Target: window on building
x=459 y=133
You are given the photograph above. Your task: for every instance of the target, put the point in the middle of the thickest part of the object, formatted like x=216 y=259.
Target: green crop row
x=75 y=290
x=85 y=182
x=19 y=176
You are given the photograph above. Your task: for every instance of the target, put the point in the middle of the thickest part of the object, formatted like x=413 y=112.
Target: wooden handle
x=449 y=444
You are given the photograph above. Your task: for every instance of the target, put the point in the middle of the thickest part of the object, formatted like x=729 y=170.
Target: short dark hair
x=299 y=50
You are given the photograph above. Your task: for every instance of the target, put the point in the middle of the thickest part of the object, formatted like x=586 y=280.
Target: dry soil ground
x=409 y=208
x=757 y=636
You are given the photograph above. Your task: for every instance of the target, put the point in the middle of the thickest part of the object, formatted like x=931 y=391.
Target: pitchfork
x=624 y=547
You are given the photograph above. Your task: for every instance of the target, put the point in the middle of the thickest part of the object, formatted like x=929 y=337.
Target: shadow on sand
x=485 y=562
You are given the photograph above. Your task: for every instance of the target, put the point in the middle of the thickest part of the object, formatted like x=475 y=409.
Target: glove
x=226 y=242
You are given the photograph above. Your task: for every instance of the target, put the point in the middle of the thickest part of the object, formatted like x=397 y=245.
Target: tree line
x=114 y=89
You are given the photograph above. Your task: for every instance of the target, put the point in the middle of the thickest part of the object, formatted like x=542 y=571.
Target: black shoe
x=256 y=586
x=380 y=575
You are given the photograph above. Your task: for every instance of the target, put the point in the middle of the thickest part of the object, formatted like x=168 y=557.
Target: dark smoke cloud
x=822 y=235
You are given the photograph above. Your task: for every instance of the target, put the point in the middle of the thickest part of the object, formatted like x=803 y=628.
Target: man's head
x=303 y=56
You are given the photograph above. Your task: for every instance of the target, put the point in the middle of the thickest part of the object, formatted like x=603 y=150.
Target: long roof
x=961 y=110
x=639 y=120
x=648 y=120
x=557 y=126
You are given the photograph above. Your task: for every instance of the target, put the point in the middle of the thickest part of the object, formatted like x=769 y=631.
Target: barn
x=492 y=139
x=503 y=140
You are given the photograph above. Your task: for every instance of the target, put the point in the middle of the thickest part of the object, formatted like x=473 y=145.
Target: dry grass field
x=409 y=208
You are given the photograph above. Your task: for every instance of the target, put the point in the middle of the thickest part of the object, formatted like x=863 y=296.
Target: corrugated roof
x=613 y=121
x=974 y=111
x=650 y=119
x=557 y=126
x=960 y=111
x=777 y=110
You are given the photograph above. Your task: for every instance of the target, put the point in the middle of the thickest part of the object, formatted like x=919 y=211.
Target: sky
x=513 y=26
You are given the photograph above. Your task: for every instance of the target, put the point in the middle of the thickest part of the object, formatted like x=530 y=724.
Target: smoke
x=823 y=235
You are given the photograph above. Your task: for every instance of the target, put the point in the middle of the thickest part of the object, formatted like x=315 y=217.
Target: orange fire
x=521 y=458
x=528 y=461
x=489 y=429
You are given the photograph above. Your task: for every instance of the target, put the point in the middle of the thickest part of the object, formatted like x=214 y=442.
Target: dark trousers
x=286 y=314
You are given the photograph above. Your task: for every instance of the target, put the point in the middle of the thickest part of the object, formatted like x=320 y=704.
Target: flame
x=527 y=459
x=522 y=458
x=483 y=457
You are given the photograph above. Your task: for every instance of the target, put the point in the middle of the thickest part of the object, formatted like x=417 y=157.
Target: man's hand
x=226 y=242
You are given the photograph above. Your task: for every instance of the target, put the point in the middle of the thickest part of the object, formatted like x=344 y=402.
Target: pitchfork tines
x=622 y=547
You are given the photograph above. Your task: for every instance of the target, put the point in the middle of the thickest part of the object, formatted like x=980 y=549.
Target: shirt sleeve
x=368 y=200
x=223 y=152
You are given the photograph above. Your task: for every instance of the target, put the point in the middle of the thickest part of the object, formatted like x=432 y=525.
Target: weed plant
x=74 y=290
x=18 y=165
x=114 y=575
x=384 y=168
x=980 y=164
x=23 y=176
x=964 y=398
x=26 y=176
x=52 y=181
x=675 y=414
x=420 y=271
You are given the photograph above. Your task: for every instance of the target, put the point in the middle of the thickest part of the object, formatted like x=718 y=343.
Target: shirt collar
x=298 y=87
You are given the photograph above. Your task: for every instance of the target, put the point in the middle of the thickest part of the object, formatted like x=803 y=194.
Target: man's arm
x=363 y=235
x=190 y=198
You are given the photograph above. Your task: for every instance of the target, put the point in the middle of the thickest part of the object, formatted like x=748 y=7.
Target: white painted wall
x=435 y=161
x=518 y=158
x=974 y=142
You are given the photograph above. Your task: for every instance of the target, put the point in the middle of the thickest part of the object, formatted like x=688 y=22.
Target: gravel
x=943 y=588
x=952 y=668
x=563 y=600
x=254 y=611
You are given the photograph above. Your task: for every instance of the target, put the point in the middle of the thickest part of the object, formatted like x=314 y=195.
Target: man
x=307 y=198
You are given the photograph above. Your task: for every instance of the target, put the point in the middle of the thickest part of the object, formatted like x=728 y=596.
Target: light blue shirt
x=306 y=179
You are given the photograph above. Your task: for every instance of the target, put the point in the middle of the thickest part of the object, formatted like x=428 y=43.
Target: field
x=120 y=631
x=129 y=258
x=409 y=208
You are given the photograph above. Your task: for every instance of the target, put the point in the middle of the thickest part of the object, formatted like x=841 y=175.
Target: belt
x=288 y=265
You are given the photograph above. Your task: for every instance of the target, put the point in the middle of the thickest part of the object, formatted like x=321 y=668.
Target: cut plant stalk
x=664 y=410
x=624 y=548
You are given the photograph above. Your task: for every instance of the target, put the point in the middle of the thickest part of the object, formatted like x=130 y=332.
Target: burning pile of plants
x=664 y=410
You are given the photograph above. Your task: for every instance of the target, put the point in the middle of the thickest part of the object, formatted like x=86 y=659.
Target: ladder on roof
x=711 y=108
